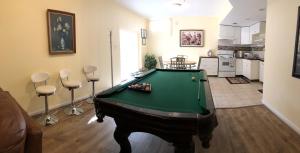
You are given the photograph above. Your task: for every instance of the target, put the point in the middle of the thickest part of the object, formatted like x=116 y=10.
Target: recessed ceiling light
x=262 y=9
x=178 y=3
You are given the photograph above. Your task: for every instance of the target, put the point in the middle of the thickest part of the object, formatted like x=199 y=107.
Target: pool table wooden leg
x=121 y=136
x=205 y=139
x=187 y=146
x=100 y=115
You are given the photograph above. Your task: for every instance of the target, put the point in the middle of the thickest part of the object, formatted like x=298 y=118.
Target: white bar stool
x=89 y=72
x=71 y=85
x=42 y=89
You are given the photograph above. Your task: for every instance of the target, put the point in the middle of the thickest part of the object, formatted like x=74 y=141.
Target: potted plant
x=150 y=61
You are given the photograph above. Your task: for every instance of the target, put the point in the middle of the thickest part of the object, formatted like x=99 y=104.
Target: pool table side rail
x=101 y=98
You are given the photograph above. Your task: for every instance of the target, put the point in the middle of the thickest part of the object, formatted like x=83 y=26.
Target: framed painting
x=61 y=32
x=296 y=66
x=191 y=38
x=143 y=33
x=144 y=42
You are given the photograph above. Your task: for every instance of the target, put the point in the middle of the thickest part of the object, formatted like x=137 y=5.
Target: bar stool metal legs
x=73 y=110
x=90 y=99
x=48 y=119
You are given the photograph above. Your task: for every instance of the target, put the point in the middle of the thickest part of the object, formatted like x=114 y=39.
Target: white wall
x=166 y=44
x=24 y=46
x=281 y=90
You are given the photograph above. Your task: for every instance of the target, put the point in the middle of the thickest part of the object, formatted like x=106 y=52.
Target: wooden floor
x=243 y=130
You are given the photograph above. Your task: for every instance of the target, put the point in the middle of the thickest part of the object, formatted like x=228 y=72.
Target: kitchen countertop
x=260 y=59
x=209 y=57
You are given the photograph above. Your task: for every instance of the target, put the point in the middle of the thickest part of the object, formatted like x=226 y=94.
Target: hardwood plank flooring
x=241 y=130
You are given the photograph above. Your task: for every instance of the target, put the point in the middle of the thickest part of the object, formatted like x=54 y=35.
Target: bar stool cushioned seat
x=72 y=83
x=47 y=89
x=92 y=78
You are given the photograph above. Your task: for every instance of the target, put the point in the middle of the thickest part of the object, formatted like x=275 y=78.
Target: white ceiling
x=153 y=9
x=244 y=12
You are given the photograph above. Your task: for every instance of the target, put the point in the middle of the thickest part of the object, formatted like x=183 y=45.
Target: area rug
x=238 y=80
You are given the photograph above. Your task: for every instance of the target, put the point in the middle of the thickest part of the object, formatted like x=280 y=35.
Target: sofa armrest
x=34 y=134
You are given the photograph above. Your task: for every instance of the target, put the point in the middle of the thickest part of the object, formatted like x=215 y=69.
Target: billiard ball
x=193 y=78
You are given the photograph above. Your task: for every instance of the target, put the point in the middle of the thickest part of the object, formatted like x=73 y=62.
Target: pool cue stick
x=111 y=59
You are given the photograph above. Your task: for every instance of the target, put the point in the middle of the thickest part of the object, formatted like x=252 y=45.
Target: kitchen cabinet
x=210 y=65
x=251 y=69
x=239 y=66
x=236 y=35
x=242 y=35
x=226 y=32
x=257 y=28
x=245 y=35
x=231 y=33
x=261 y=71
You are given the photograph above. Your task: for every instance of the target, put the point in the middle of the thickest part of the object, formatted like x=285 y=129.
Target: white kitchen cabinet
x=257 y=28
x=261 y=71
x=210 y=65
x=231 y=33
x=239 y=66
x=236 y=35
x=245 y=35
x=226 y=32
x=251 y=69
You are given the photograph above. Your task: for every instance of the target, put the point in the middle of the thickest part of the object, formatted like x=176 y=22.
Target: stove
x=226 y=63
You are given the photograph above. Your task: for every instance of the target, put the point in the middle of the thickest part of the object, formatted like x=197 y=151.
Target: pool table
x=179 y=106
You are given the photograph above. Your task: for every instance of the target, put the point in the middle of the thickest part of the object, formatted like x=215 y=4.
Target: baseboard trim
x=282 y=117
x=62 y=104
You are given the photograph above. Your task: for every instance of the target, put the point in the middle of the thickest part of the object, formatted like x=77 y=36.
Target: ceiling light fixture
x=178 y=3
x=262 y=9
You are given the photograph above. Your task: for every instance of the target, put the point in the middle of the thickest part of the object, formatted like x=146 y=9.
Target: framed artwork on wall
x=61 y=32
x=144 y=42
x=296 y=66
x=143 y=33
x=191 y=38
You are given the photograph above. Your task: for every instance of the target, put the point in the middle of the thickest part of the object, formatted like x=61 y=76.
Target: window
x=129 y=53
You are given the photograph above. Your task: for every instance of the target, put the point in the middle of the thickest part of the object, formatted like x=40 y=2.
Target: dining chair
x=162 y=64
x=183 y=56
x=173 y=63
x=180 y=63
x=199 y=63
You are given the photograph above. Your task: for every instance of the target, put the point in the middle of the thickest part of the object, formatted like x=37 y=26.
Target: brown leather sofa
x=18 y=132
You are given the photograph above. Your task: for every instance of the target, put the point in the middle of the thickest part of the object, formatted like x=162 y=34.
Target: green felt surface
x=172 y=91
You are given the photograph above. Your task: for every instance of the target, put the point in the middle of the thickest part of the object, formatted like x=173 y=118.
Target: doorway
x=129 y=53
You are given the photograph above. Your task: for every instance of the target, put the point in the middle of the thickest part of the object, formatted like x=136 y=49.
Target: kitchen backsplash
x=260 y=54
x=241 y=48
